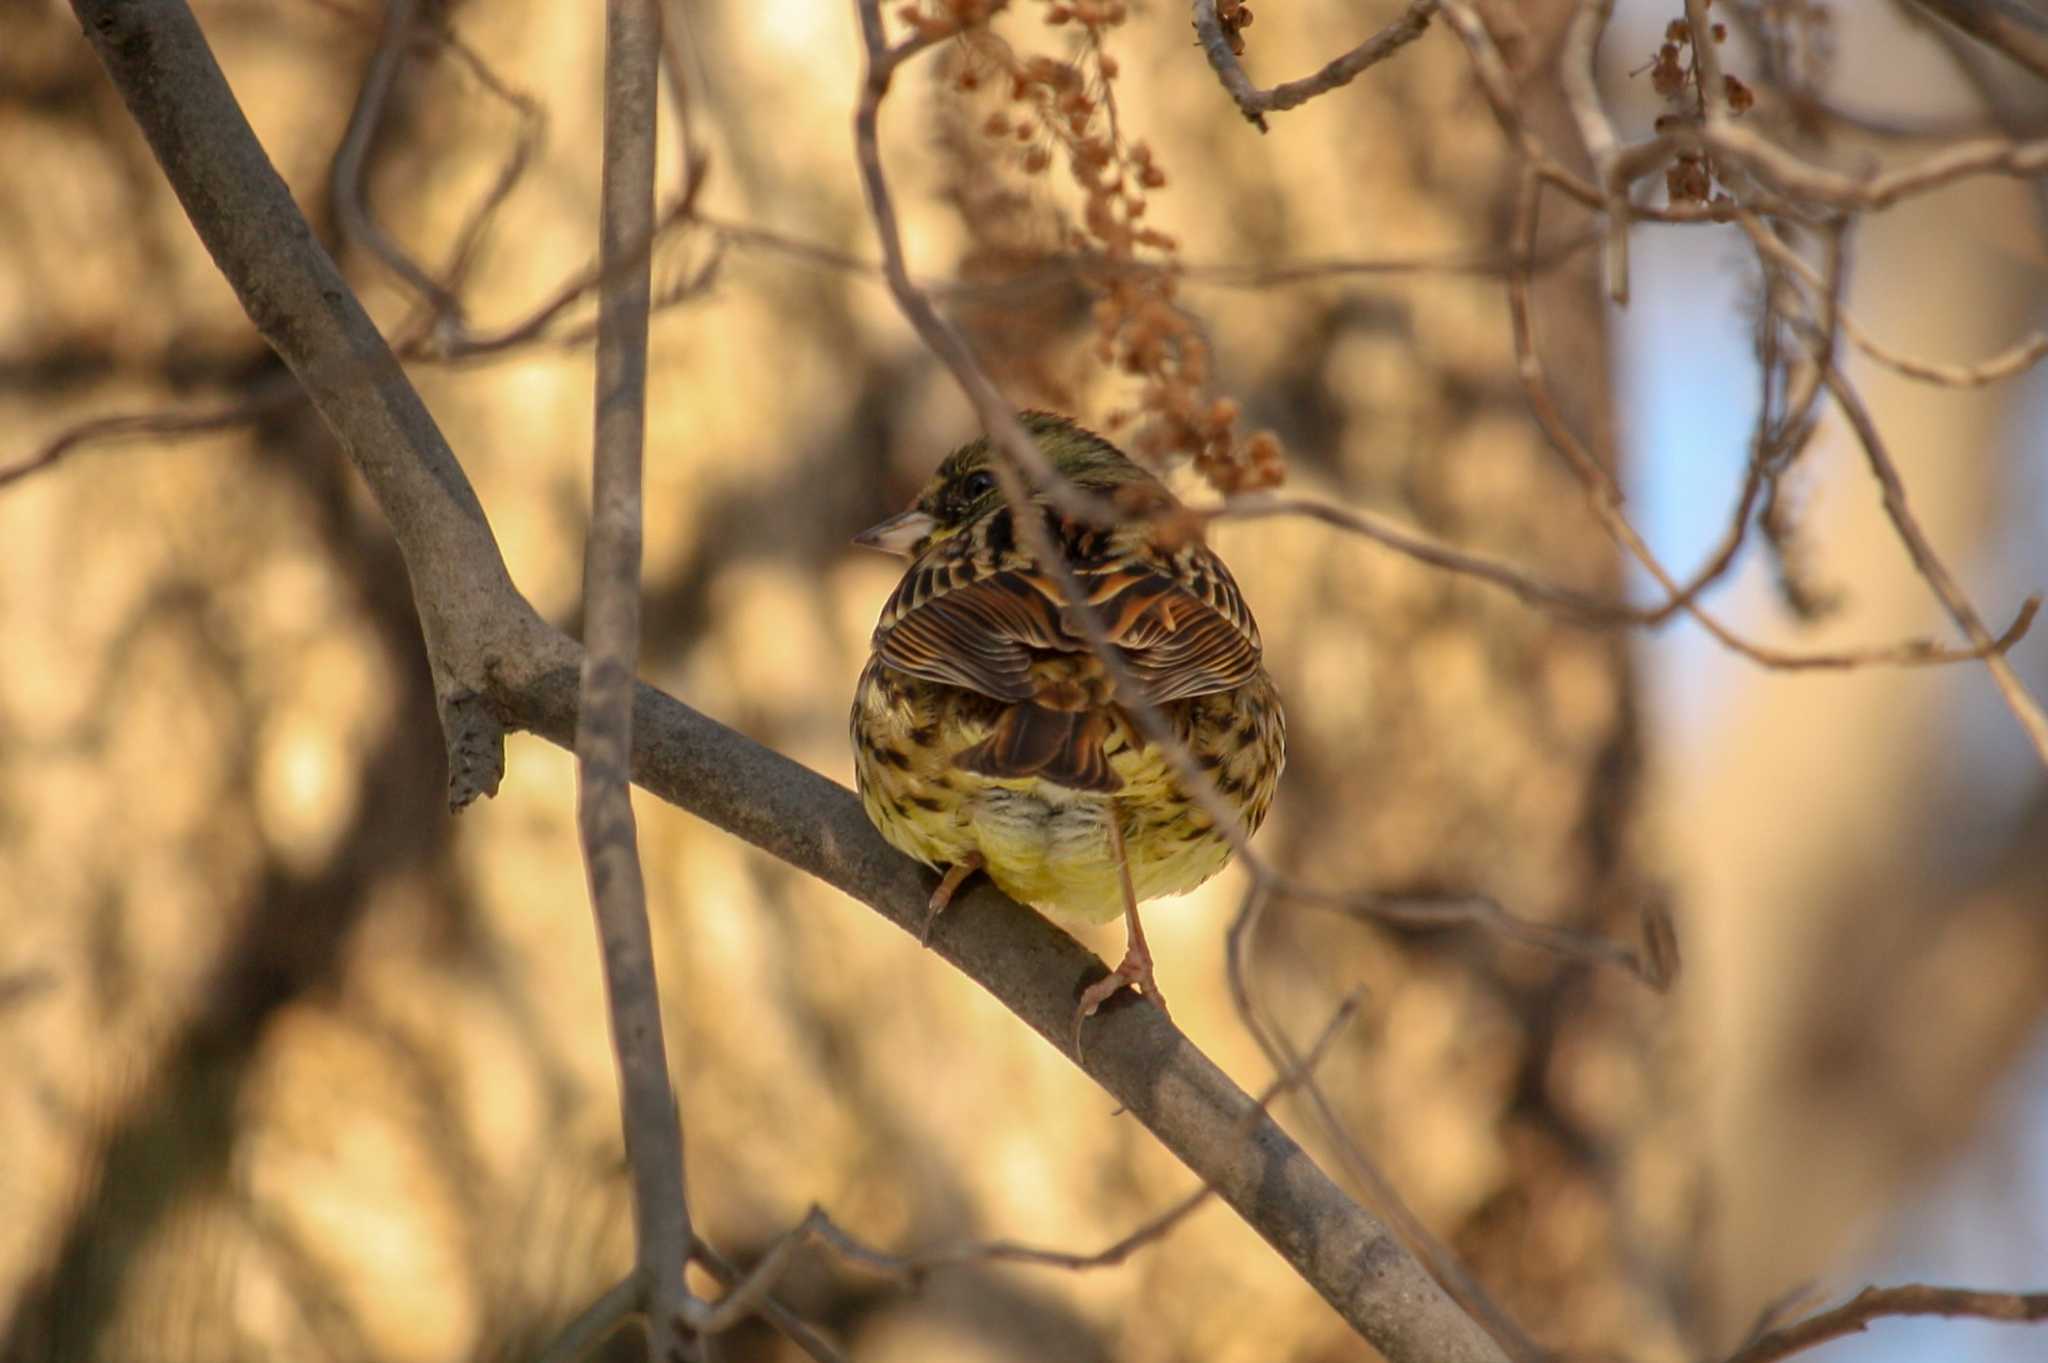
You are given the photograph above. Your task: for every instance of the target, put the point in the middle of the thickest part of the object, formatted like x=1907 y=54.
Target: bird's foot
x=949 y=885
x=1134 y=972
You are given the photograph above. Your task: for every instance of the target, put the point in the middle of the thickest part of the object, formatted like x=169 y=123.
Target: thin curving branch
x=1464 y=1287
x=1255 y=103
x=270 y=394
x=2016 y=358
x=594 y=1324
x=750 y=1293
x=2005 y=26
x=346 y=180
x=911 y=1269
x=648 y=1111
x=1929 y=564
x=1912 y=1299
x=1603 y=498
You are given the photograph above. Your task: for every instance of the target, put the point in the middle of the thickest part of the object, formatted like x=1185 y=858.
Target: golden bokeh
x=295 y=1065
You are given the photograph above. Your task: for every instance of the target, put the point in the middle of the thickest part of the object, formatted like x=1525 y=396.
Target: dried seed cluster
x=1064 y=109
x=934 y=19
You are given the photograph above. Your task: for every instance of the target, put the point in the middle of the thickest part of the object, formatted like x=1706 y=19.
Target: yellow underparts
x=1041 y=843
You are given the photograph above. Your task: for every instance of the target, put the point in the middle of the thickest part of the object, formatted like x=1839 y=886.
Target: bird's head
x=965 y=488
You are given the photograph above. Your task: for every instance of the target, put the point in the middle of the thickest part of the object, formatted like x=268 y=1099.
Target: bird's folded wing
x=978 y=635
x=1180 y=639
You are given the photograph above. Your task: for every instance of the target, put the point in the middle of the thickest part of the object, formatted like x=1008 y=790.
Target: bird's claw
x=1134 y=972
x=949 y=885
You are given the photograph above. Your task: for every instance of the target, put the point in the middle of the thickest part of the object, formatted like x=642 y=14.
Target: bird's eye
x=977 y=485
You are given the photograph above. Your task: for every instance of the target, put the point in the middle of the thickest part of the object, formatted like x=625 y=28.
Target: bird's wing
x=977 y=633
x=1178 y=620
x=1179 y=641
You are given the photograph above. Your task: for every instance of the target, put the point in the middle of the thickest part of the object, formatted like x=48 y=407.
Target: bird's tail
x=1061 y=746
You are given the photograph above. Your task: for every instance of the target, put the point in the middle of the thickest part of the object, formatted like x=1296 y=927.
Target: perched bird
x=988 y=736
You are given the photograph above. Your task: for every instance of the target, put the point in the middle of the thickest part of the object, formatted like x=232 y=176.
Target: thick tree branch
x=487 y=644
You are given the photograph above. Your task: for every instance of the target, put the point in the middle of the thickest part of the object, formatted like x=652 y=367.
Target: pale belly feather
x=1050 y=847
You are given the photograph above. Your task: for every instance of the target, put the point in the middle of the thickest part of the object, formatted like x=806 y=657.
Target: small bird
x=988 y=736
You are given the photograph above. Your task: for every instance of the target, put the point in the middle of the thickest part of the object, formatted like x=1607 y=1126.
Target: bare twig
x=1148 y=1232
x=1579 y=79
x=272 y=394
x=2005 y=26
x=1471 y=910
x=1255 y=103
x=796 y=1330
x=1791 y=391
x=477 y=221
x=1812 y=184
x=1953 y=599
x=910 y=1269
x=1913 y=1299
x=1603 y=497
x=594 y=1324
x=1579 y=605
x=1380 y=1194
x=604 y=730
x=1706 y=57
x=941 y=336
x=2016 y=358
x=675 y=70
x=1497 y=84
x=351 y=205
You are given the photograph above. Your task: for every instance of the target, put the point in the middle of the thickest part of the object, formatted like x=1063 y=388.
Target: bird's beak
x=899 y=534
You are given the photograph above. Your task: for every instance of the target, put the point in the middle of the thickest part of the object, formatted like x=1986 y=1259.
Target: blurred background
x=293 y=1065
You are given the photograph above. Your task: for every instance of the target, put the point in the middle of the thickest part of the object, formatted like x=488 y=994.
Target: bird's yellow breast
x=1042 y=843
